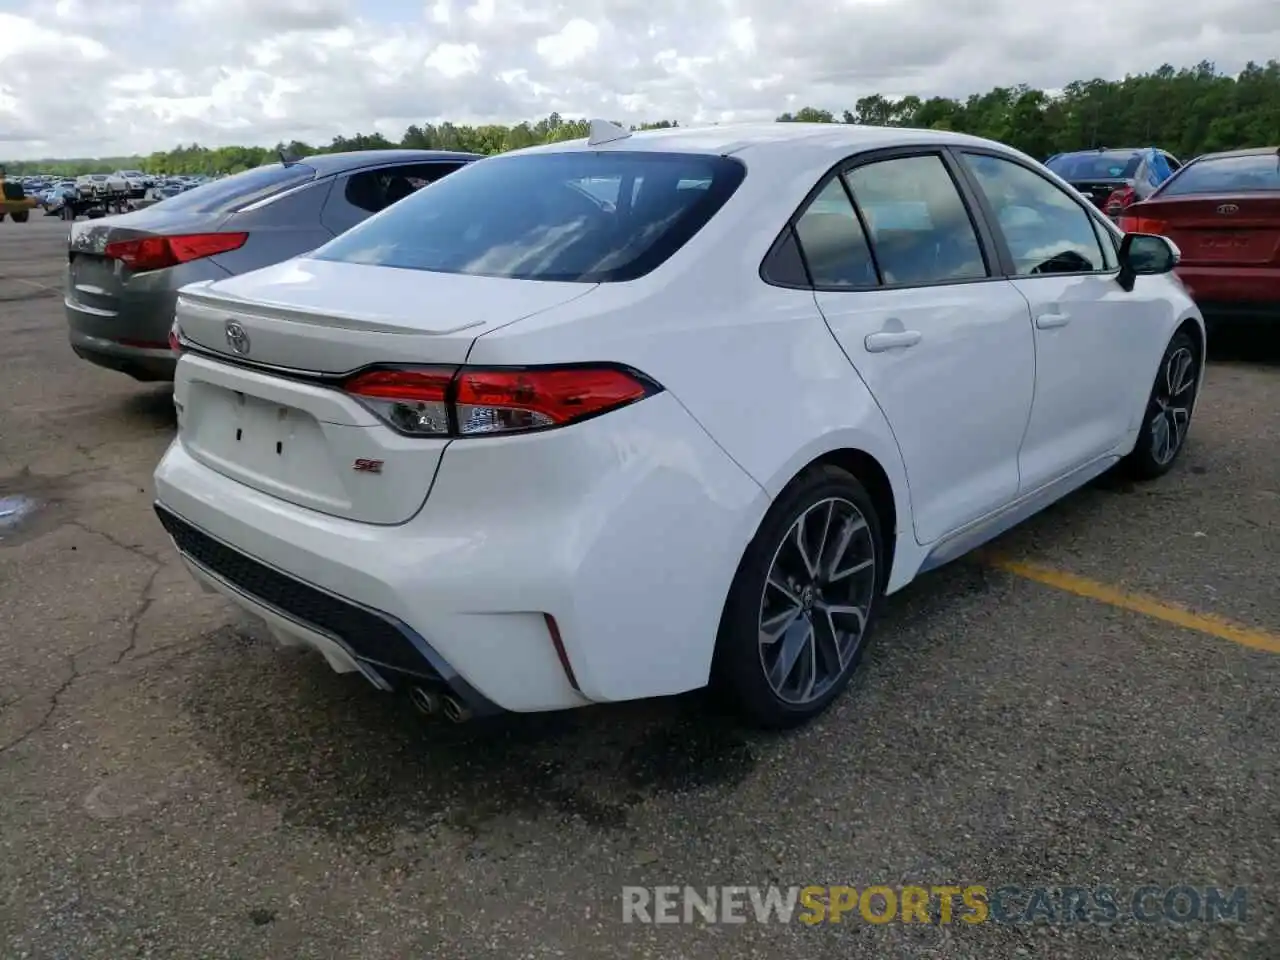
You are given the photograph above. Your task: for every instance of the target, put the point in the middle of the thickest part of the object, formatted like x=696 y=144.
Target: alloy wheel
x=816 y=600
x=1171 y=405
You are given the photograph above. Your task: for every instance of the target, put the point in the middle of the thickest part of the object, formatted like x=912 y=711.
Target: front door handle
x=1047 y=321
x=880 y=342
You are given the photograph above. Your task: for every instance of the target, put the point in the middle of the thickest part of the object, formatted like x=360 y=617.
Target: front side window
x=1047 y=231
x=577 y=216
x=920 y=229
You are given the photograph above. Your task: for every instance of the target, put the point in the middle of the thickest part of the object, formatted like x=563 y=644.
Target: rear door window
x=833 y=243
x=920 y=228
x=241 y=189
x=374 y=190
x=579 y=216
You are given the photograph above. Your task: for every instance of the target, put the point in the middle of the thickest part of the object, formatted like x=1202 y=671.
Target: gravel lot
x=172 y=787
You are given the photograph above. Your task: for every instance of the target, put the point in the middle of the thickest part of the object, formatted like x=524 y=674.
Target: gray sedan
x=124 y=272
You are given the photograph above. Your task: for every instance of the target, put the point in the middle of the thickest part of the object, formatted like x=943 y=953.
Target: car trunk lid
x=260 y=391
x=1238 y=230
x=96 y=282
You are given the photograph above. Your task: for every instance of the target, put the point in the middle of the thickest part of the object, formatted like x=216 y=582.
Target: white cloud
x=88 y=77
x=569 y=44
x=455 y=59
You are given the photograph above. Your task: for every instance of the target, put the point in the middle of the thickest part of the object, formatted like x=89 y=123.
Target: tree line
x=1186 y=111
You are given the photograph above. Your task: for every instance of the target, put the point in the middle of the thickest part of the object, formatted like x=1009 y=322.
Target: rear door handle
x=1047 y=321
x=880 y=342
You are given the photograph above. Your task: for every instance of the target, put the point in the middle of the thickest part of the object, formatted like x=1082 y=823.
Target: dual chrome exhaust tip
x=431 y=703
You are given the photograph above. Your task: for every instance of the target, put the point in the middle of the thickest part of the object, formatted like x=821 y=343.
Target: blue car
x=1114 y=178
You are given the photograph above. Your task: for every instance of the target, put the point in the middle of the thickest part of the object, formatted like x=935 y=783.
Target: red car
x=1223 y=212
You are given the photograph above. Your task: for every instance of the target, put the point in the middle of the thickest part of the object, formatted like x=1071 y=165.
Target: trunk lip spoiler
x=201 y=297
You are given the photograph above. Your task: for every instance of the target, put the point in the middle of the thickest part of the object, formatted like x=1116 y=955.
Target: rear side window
x=578 y=216
x=920 y=227
x=1249 y=174
x=241 y=189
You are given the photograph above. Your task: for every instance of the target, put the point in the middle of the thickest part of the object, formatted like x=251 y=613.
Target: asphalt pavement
x=1094 y=701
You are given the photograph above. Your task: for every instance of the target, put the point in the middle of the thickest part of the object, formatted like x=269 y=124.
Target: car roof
x=1246 y=152
x=1099 y=150
x=834 y=140
x=327 y=163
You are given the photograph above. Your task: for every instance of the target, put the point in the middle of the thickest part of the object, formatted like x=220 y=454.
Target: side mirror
x=1145 y=254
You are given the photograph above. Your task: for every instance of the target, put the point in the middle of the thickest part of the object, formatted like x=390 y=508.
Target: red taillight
x=481 y=401
x=500 y=401
x=1142 y=225
x=175 y=340
x=1120 y=200
x=156 y=253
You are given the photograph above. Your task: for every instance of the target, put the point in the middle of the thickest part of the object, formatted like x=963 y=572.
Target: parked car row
x=625 y=416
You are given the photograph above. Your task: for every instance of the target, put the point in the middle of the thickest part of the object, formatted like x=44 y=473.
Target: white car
x=523 y=443
x=101 y=183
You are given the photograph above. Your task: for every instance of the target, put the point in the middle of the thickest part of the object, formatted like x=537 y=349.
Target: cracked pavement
x=173 y=786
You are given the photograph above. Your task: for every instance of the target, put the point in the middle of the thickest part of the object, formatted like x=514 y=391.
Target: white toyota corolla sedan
x=632 y=415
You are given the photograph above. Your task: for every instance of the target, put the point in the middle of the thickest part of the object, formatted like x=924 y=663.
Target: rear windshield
x=1109 y=165
x=1226 y=175
x=241 y=189
x=585 y=217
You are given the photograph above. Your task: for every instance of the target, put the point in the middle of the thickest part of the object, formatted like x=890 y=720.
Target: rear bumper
x=147 y=364
x=127 y=328
x=626 y=530
x=351 y=637
x=1239 y=292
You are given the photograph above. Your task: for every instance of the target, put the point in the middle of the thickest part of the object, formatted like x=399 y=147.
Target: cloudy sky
x=108 y=77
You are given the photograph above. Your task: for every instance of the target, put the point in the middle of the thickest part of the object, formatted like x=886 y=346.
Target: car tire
x=20 y=216
x=1170 y=406
x=804 y=600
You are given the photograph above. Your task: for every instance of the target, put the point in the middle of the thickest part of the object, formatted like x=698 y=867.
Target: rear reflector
x=482 y=401
x=557 y=641
x=157 y=253
x=1142 y=225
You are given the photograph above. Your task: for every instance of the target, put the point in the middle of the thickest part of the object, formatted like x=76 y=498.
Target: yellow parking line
x=1209 y=623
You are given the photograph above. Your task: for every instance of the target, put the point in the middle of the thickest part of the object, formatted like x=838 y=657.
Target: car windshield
x=578 y=216
x=1247 y=174
x=1107 y=165
x=242 y=189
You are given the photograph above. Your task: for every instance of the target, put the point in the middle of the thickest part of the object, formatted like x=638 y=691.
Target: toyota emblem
x=1228 y=208
x=237 y=338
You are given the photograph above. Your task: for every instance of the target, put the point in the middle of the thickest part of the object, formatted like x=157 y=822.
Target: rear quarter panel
x=755 y=365
x=285 y=227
